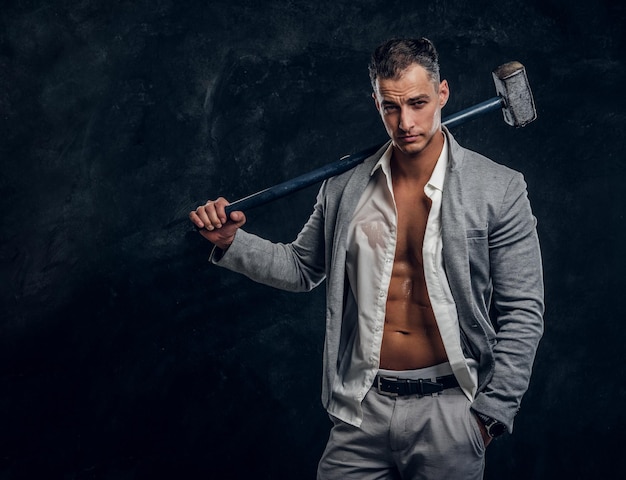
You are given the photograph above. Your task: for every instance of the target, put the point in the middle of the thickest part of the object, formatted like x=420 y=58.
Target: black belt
x=395 y=387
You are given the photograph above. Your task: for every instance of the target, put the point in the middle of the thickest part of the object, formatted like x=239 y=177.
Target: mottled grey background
x=125 y=355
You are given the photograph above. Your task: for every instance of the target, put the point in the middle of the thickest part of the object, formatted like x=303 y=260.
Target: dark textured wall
x=124 y=354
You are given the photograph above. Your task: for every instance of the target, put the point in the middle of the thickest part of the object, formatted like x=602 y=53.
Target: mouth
x=408 y=138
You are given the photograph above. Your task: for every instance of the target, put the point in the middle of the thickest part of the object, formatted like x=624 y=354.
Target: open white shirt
x=372 y=239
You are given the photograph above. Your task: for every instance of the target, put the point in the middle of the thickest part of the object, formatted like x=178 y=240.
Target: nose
x=406 y=122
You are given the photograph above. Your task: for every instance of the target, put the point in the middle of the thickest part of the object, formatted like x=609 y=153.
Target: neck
x=420 y=165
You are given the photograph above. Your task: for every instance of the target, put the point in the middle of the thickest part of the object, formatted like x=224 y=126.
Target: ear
x=444 y=93
x=376 y=102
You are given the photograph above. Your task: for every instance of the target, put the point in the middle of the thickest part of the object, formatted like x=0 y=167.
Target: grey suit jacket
x=491 y=255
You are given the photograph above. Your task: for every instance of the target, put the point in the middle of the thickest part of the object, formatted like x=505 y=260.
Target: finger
x=220 y=209
x=211 y=209
x=193 y=216
x=237 y=216
x=204 y=214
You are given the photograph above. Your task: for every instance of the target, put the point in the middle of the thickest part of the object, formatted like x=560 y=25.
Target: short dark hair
x=394 y=56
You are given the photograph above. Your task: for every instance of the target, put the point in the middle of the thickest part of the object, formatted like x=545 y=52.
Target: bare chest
x=413 y=209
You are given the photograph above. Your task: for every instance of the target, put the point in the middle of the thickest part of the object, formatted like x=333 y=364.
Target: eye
x=390 y=108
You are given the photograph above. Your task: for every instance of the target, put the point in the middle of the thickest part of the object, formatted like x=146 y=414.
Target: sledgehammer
x=514 y=97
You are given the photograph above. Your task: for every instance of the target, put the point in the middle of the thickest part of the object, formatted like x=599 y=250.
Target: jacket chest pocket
x=478 y=253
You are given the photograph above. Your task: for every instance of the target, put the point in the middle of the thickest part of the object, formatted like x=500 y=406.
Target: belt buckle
x=428 y=387
x=379 y=386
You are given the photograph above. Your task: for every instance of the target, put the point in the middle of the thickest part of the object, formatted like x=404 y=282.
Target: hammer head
x=512 y=85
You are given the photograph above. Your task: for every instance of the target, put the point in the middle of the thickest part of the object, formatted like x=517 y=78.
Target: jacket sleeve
x=518 y=301
x=296 y=266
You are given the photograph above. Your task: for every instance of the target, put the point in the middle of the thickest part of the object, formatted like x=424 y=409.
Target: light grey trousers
x=409 y=437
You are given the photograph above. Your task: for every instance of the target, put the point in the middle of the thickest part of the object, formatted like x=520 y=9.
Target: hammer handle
x=495 y=103
x=282 y=189
x=346 y=163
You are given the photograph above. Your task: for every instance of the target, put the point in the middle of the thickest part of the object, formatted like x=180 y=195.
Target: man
x=418 y=245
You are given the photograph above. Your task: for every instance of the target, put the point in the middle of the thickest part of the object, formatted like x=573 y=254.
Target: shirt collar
x=384 y=163
x=439 y=172
x=437 y=177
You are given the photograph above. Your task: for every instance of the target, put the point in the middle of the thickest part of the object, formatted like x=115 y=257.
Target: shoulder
x=485 y=174
x=479 y=173
x=353 y=179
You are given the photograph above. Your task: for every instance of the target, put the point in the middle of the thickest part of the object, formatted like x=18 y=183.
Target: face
x=410 y=107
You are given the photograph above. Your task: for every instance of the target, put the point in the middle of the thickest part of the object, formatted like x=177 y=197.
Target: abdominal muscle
x=411 y=338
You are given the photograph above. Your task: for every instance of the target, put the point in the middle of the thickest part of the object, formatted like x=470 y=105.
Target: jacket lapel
x=454 y=238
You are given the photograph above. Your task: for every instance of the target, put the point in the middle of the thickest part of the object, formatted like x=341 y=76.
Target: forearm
x=518 y=300
x=513 y=357
x=273 y=264
x=298 y=266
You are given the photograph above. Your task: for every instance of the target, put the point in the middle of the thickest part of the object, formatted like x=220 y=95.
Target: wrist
x=224 y=243
x=218 y=252
x=493 y=427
